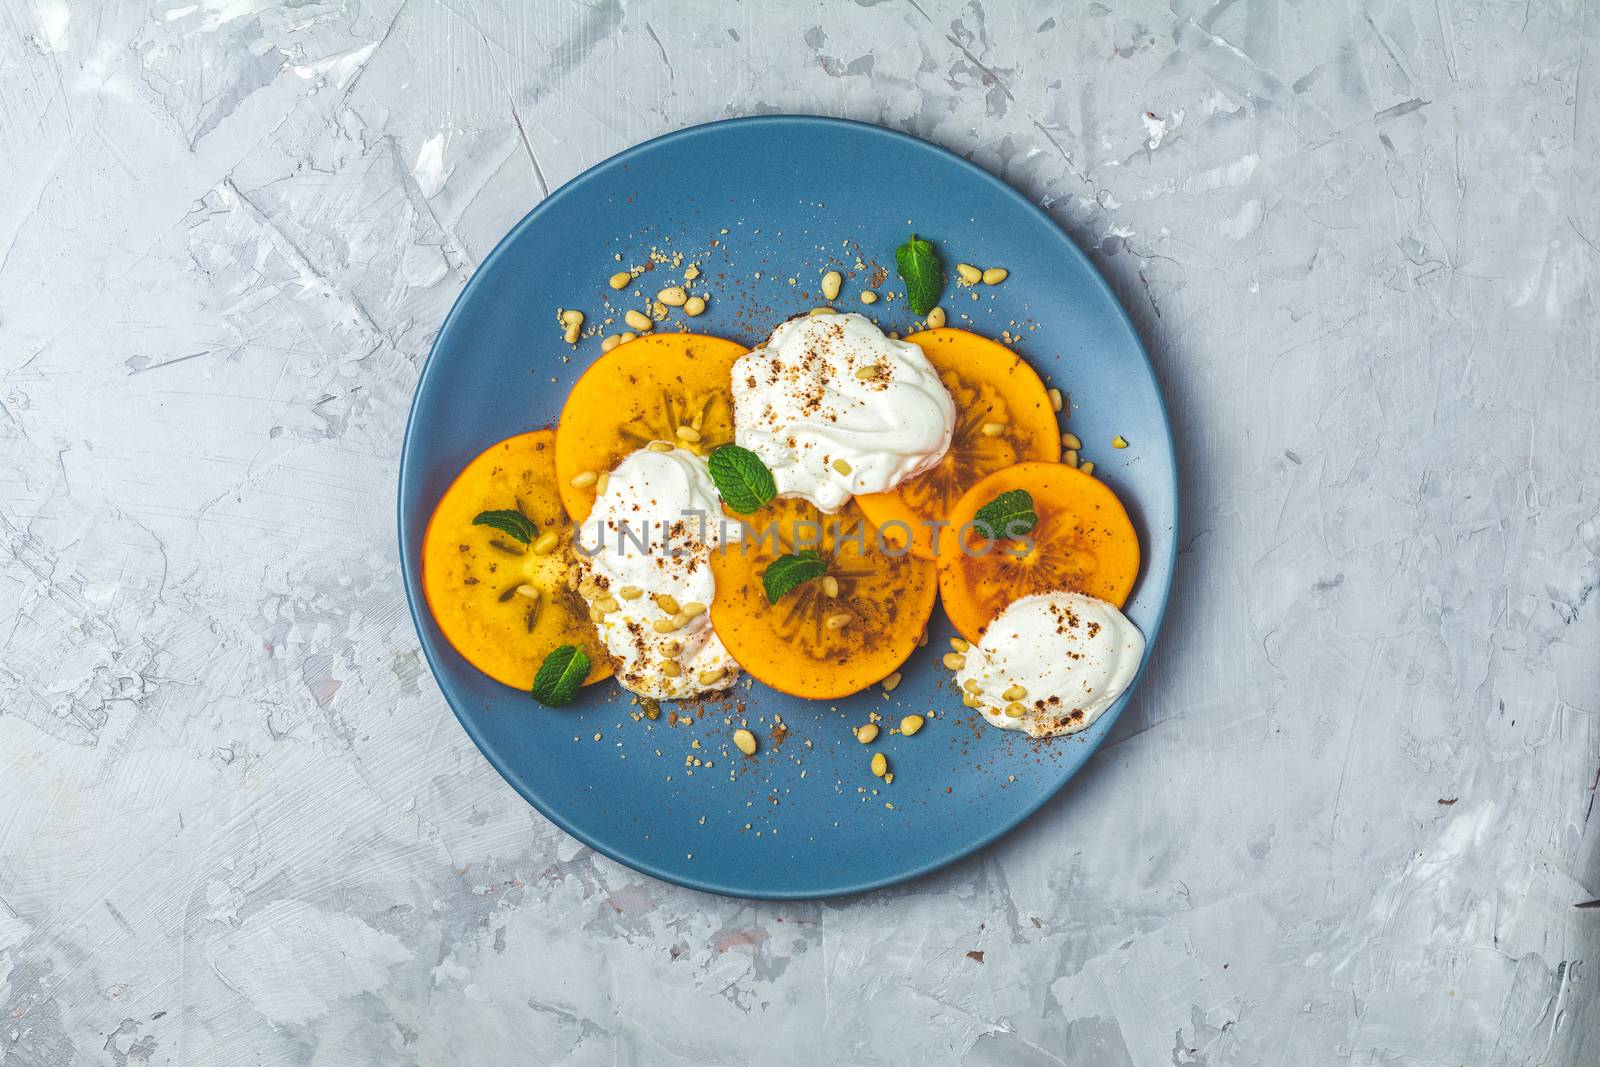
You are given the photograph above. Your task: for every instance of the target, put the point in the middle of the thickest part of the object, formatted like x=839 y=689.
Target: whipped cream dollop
x=1051 y=663
x=835 y=408
x=644 y=565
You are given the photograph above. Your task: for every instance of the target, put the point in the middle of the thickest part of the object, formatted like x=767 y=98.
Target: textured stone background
x=1344 y=821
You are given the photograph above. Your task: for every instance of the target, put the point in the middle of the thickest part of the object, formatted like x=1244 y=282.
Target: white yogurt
x=653 y=530
x=1071 y=655
x=828 y=432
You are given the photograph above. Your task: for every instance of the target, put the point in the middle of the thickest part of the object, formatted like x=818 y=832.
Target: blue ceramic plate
x=764 y=205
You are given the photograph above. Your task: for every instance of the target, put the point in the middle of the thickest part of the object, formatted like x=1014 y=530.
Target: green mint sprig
x=1010 y=514
x=785 y=573
x=743 y=481
x=511 y=523
x=560 y=675
x=918 y=263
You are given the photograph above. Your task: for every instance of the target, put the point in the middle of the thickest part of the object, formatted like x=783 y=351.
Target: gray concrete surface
x=1344 y=821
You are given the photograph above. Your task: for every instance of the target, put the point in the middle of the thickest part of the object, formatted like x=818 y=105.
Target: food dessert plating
x=793 y=512
x=836 y=409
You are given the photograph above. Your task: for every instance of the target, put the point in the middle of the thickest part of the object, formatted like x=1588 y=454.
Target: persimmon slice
x=1084 y=543
x=811 y=644
x=992 y=387
x=642 y=391
x=471 y=575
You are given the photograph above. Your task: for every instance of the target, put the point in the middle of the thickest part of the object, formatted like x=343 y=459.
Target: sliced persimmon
x=993 y=388
x=1084 y=543
x=835 y=634
x=641 y=391
x=500 y=603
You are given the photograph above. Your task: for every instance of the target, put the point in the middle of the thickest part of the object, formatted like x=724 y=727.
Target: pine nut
x=838 y=621
x=600 y=486
x=664 y=626
x=606 y=605
x=822 y=311
x=992 y=429
x=1119 y=441
x=867 y=734
x=911 y=724
x=869 y=297
x=892 y=682
x=659 y=446
x=745 y=742
x=1070 y=440
x=995 y=275
x=842 y=467
x=1087 y=466
x=630 y=592
x=1070 y=457
x=572 y=317
x=1055 y=398
x=1015 y=711
x=627 y=335
x=954 y=660
x=1016 y=692
x=830 y=585
x=935 y=318
x=673 y=296
x=596 y=615
x=639 y=321
x=667 y=603
x=969 y=274
x=609 y=341
x=619 y=280
x=688 y=433
x=546 y=543
x=971 y=701
x=583 y=479
x=711 y=677
x=528 y=591
x=880 y=764
x=869 y=372
x=671 y=646
x=971 y=685
x=671 y=668
x=695 y=305
x=960 y=644
x=922 y=640
x=693 y=609
x=830 y=285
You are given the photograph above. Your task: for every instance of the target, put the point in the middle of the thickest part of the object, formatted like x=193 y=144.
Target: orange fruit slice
x=1003 y=416
x=661 y=387
x=1084 y=543
x=835 y=634
x=500 y=603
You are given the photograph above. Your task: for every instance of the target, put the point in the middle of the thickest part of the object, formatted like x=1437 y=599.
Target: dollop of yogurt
x=1055 y=660
x=644 y=568
x=836 y=408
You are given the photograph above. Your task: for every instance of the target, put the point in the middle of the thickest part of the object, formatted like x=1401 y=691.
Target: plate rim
x=416 y=606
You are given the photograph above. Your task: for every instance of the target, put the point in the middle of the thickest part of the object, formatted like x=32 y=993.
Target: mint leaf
x=743 y=481
x=919 y=267
x=560 y=675
x=1010 y=514
x=511 y=523
x=786 y=572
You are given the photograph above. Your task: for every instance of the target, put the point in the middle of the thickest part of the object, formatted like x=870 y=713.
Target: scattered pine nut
x=528 y=591
x=619 y=280
x=627 y=335
x=671 y=646
x=969 y=274
x=936 y=318
x=1015 y=711
x=630 y=592
x=995 y=275
x=671 y=668
x=911 y=724
x=546 y=543
x=837 y=621
x=970 y=701
x=891 y=682
x=572 y=317
x=695 y=305
x=606 y=605
x=960 y=644
x=842 y=467
x=688 y=433
x=869 y=372
x=1055 y=398
x=583 y=479
x=665 y=626
x=869 y=297
x=673 y=296
x=822 y=311
x=745 y=742
x=992 y=429
x=1070 y=457
x=667 y=603
x=830 y=285
x=880 y=764
x=693 y=609
x=600 y=486
x=1070 y=440
x=1119 y=441
x=659 y=446
x=1087 y=466
x=867 y=734
x=954 y=660
x=830 y=585
x=639 y=321
x=971 y=685
x=711 y=677
x=1016 y=692
x=609 y=341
